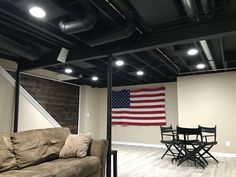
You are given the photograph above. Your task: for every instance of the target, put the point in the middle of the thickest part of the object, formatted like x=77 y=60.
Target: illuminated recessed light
x=119 y=62
x=200 y=66
x=94 y=78
x=80 y=76
x=192 y=52
x=37 y=12
x=68 y=71
x=139 y=73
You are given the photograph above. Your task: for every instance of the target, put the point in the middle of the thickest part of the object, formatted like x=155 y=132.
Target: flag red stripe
x=152 y=106
x=147 y=101
x=147 y=95
x=139 y=112
x=139 y=124
x=138 y=118
x=151 y=90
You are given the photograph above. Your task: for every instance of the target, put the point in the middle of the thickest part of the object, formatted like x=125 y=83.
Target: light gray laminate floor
x=136 y=161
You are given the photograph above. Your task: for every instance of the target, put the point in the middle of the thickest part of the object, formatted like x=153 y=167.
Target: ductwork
x=205 y=6
x=124 y=33
x=190 y=7
x=18 y=49
x=80 y=25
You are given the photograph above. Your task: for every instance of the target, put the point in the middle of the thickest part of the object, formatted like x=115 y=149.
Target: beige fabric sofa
x=35 y=153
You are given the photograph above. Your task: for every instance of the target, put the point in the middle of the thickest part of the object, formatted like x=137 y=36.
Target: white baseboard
x=219 y=154
x=138 y=144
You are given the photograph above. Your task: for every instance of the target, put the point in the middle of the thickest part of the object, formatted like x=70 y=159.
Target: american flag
x=144 y=107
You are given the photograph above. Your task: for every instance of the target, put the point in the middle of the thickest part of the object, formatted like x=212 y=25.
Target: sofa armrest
x=99 y=148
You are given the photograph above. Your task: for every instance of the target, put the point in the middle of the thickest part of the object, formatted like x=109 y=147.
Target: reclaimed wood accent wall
x=60 y=100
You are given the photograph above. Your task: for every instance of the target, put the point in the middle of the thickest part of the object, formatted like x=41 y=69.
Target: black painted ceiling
x=158 y=46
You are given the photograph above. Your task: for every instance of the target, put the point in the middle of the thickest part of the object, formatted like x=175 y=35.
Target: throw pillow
x=75 y=146
x=32 y=147
x=7 y=158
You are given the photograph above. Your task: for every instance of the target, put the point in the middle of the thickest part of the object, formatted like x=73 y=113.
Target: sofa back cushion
x=7 y=157
x=35 y=146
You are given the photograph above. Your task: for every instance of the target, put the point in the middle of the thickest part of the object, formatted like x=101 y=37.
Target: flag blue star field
x=143 y=107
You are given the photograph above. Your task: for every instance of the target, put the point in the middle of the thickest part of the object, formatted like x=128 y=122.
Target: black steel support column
x=17 y=90
x=109 y=126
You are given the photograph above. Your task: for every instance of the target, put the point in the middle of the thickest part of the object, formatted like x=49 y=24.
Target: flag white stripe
x=137 y=115
x=147 y=104
x=147 y=98
x=139 y=121
x=137 y=109
x=147 y=92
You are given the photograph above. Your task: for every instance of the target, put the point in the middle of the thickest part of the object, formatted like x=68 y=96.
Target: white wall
x=94 y=101
x=209 y=100
x=89 y=111
x=6 y=105
x=29 y=115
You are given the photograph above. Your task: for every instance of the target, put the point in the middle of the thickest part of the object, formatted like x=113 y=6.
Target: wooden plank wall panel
x=60 y=100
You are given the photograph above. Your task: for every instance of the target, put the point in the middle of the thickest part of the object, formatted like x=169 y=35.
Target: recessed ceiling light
x=119 y=62
x=80 y=76
x=94 y=78
x=68 y=71
x=192 y=51
x=37 y=12
x=139 y=73
x=200 y=66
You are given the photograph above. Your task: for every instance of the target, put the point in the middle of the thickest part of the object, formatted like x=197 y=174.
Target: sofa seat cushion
x=71 y=167
x=25 y=173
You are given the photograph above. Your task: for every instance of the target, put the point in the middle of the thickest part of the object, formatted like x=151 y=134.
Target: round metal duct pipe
x=80 y=25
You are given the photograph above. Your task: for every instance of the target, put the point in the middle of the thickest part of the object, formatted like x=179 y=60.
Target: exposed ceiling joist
x=150 y=65
x=215 y=29
x=222 y=52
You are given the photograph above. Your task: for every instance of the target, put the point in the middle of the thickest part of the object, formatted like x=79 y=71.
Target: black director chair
x=189 y=143
x=167 y=138
x=209 y=140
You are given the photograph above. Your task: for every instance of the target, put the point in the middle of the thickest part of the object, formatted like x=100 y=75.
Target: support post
x=109 y=112
x=17 y=90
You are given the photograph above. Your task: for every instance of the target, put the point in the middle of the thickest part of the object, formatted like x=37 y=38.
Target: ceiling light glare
x=94 y=78
x=119 y=63
x=139 y=73
x=200 y=66
x=192 y=52
x=68 y=71
x=37 y=12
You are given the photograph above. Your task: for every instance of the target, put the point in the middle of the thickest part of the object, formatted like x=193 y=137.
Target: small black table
x=114 y=154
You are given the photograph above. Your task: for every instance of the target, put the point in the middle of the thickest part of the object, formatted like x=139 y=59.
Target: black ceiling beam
x=203 y=58
x=101 y=65
x=82 y=54
x=137 y=67
x=14 y=24
x=182 y=60
x=146 y=62
x=25 y=20
x=98 y=5
x=211 y=30
x=188 y=34
x=10 y=30
x=222 y=52
x=162 y=59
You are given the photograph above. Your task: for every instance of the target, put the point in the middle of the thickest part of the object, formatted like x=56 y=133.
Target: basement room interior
x=117 y=88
